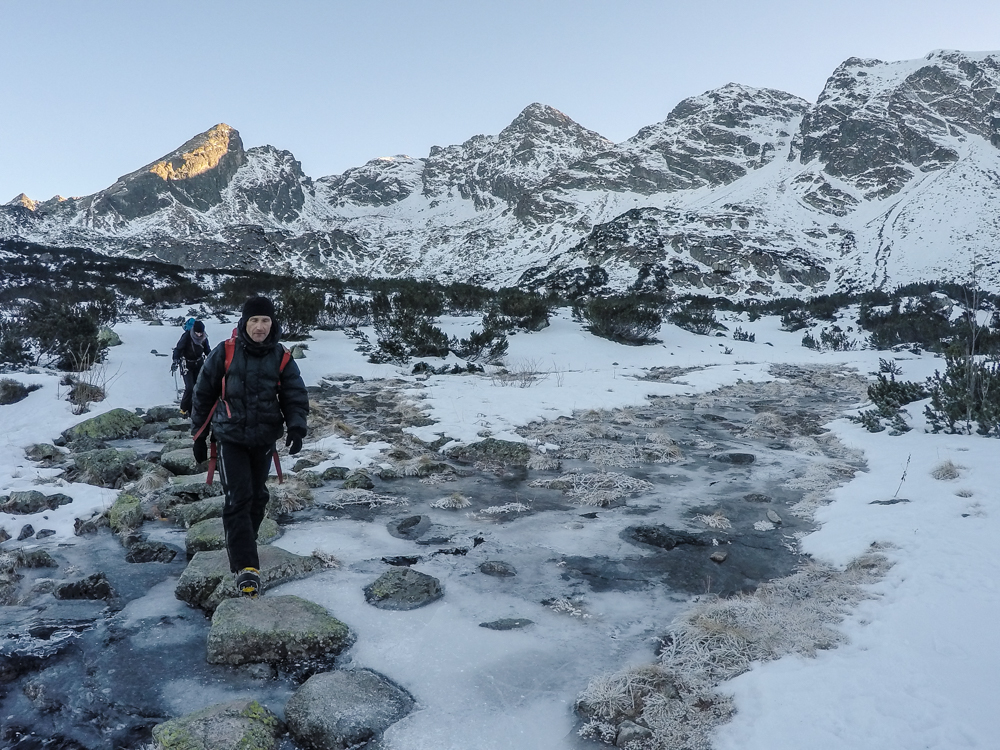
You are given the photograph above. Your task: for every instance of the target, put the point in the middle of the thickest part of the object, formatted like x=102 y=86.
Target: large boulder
x=188 y=514
x=33 y=501
x=126 y=513
x=180 y=461
x=94 y=586
x=207 y=581
x=112 y=425
x=45 y=454
x=238 y=725
x=493 y=451
x=275 y=630
x=403 y=588
x=341 y=709
x=209 y=534
x=105 y=467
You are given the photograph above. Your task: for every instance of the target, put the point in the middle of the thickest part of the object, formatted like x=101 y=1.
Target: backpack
x=230 y=345
x=189 y=324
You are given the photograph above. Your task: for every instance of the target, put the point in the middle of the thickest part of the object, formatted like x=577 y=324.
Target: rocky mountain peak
x=541 y=123
x=23 y=201
x=198 y=155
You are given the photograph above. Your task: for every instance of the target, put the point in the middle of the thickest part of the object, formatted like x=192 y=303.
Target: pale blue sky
x=93 y=90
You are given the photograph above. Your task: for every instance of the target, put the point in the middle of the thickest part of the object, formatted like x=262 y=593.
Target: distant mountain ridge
x=891 y=176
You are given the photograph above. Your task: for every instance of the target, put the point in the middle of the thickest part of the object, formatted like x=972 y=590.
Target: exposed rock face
x=242 y=724
x=274 y=630
x=739 y=191
x=339 y=710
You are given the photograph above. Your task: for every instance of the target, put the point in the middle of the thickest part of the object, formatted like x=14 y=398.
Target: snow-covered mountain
x=891 y=176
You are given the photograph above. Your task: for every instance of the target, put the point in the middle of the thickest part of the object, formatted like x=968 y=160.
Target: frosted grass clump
x=342 y=498
x=329 y=560
x=496 y=510
x=544 y=462
x=946 y=471
x=715 y=520
x=452 y=502
x=597 y=488
x=722 y=638
x=763 y=526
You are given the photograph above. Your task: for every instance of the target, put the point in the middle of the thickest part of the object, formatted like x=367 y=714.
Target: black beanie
x=198 y=327
x=258 y=306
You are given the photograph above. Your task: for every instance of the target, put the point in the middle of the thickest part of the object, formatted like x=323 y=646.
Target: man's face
x=258 y=327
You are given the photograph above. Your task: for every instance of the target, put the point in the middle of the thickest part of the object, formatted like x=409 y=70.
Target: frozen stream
x=597 y=596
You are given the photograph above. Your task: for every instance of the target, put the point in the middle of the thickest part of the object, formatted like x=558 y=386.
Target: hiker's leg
x=189 y=380
x=236 y=474
x=260 y=460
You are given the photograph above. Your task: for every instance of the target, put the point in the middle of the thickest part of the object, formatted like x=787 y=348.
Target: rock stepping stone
x=345 y=709
x=207 y=581
x=188 y=514
x=237 y=724
x=402 y=589
x=508 y=623
x=210 y=535
x=180 y=461
x=274 y=630
x=497 y=568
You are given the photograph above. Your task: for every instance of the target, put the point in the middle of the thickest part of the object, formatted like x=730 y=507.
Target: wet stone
x=207 y=580
x=497 y=568
x=358 y=480
x=238 y=724
x=33 y=501
x=188 y=514
x=275 y=630
x=335 y=472
x=403 y=561
x=180 y=461
x=403 y=589
x=661 y=537
x=42 y=533
x=345 y=709
x=410 y=528
x=737 y=459
x=145 y=551
x=210 y=535
x=94 y=586
x=508 y=623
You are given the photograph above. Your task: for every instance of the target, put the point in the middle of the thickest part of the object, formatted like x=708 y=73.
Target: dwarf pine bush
x=627 y=320
x=966 y=395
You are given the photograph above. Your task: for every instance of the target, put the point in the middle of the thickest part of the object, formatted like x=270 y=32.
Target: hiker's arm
x=208 y=387
x=293 y=397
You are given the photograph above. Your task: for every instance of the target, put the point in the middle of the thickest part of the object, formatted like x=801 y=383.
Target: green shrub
x=967 y=394
x=487 y=346
x=298 y=310
x=12 y=391
x=627 y=320
x=65 y=335
x=695 y=316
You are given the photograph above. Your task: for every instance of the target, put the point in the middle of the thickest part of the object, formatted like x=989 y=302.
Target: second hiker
x=190 y=352
x=256 y=390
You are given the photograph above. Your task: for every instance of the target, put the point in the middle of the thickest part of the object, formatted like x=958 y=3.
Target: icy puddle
x=577 y=563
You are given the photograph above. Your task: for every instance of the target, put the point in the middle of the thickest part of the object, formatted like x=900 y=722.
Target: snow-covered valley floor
x=915 y=666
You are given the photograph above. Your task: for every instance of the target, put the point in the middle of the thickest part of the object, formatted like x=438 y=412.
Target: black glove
x=200 y=450
x=294 y=440
x=173 y=368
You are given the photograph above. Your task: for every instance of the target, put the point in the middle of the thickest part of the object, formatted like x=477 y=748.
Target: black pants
x=243 y=470
x=190 y=378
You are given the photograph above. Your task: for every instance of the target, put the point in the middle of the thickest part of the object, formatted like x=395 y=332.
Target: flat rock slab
x=33 y=501
x=507 y=623
x=112 y=425
x=410 y=528
x=497 y=568
x=341 y=709
x=207 y=581
x=194 y=484
x=225 y=726
x=493 y=451
x=403 y=588
x=274 y=630
x=188 y=514
x=210 y=535
x=738 y=459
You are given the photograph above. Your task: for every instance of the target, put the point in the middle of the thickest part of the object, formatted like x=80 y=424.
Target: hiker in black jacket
x=190 y=352
x=252 y=406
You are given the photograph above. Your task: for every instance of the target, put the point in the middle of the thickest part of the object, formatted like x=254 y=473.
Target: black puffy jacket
x=257 y=404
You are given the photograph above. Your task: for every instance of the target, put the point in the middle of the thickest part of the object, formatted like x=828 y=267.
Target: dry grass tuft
x=946 y=471
x=453 y=501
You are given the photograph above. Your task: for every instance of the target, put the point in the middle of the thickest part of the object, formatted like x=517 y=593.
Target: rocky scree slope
x=890 y=177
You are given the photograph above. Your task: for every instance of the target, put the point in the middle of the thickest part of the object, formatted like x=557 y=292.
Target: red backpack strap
x=277 y=464
x=230 y=345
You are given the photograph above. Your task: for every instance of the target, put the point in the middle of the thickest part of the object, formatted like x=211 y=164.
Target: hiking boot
x=248 y=583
